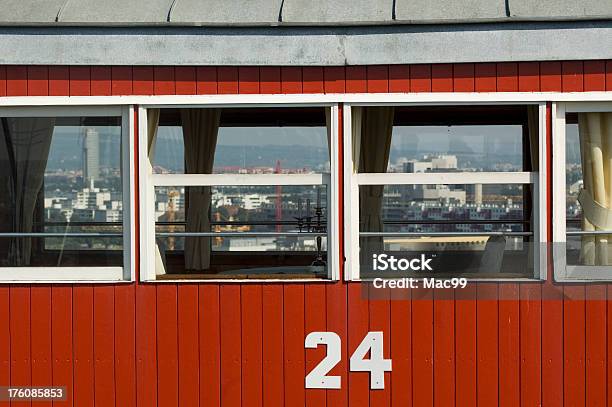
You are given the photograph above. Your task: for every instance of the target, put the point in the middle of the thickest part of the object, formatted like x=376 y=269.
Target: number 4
x=377 y=365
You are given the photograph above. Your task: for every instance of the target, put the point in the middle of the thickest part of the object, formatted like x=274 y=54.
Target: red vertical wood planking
x=83 y=342
x=125 y=344
x=530 y=309
x=248 y=79
x=188 y=345
x=101 y=81
x=40 y=326
x=206 y=77
x=314 y=321
x=335 y=79
x=336 y=297
x=595 y=345
x=444 y=347
x=5 y=337
x=167 y=345
x=80 y=81
x=61 y=350
x=380 y=321
x=572 y=76
x=550 y=76
x=594 y=76
x=38 y=81
x=401 y=350
x=359 y=322
x=487 y=340
x=146 y=345
x=529 y=77
x=485 y=77
x=422 y=348
x=142 y=80
x=227 y=80
x=272 y=344
x=465 y=346
x=291 y=79
x=507 y=77
x=163 y=80
x=442 y=78
x=463 y=77
x=509 y=346
x=121 y=80
x=356 y=79
x=252 y=333
x=270 y=79
x=231 y=345
x=574 y=334
x=185 y=77
x=104 y=345
x=2 y=81
x=313 y=79
x=420 y=78
x=20 y=334
x=16 y=81
x=293 y=344
x=608 y=75
x=399 y=78
x=377 y=77
x=210 y=345
x=59 y=81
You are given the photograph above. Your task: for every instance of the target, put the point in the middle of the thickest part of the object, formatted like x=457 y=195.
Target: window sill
x=46 y=275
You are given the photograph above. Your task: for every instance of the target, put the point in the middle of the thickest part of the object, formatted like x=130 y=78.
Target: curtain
x=373 y=128
x=26 y=142
x=152 y=126
x=595 y=131
x=200 y=129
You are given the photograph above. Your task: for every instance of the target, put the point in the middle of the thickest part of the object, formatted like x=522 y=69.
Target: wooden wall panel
x=222 y=344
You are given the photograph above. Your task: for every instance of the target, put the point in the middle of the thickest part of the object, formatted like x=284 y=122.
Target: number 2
x=377 y=365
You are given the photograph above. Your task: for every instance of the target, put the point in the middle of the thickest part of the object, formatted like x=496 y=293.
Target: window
x=238 y=193
x=454 y=188
x=64 y=194
x=583 y=197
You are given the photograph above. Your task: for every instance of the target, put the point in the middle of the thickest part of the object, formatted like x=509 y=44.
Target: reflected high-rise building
x=91 y=155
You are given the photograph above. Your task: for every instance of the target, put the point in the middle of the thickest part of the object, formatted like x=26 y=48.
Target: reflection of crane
x=279 y=192
x=172 y=197
x=218 y=241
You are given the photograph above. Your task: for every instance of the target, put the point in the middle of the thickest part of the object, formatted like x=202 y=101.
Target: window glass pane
x=444 y=138
x=61 y=177
x=248 y=141
x=588 y=194
x=242 y=211
x=452 y=224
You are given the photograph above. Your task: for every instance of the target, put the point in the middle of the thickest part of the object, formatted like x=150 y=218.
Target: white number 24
x=377 y=365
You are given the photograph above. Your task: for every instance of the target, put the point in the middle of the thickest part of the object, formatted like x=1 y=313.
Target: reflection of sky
x=67 y=146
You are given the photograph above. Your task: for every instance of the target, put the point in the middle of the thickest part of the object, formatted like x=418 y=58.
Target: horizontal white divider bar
x=588 y=232
x=237 y=234
x=431 y=178
x=238 y=179
x=310 y=99
x=441 y=234
x=81 y=273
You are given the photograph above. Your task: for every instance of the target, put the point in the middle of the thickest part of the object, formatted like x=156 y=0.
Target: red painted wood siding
x=512 y=344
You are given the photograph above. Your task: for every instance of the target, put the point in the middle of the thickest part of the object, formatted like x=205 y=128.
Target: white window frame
x=148 y=181
x=87 y=274
x=562 y=271
x=352 y=181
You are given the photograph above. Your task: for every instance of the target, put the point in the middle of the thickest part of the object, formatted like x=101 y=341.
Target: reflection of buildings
x=91 y=155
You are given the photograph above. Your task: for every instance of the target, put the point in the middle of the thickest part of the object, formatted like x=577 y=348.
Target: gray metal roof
x=293 y=12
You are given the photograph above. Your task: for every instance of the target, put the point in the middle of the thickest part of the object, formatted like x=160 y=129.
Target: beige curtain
x=200 y=129
x=26 y=147
x=595 y=130
x=152 y=126
x=372 y=131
